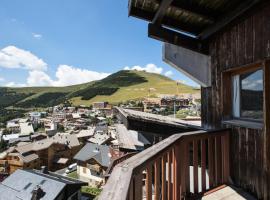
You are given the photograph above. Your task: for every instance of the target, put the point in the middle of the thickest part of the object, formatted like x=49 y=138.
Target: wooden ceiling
x=198 y=19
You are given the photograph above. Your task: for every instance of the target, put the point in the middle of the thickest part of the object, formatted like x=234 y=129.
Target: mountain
x=118 y=87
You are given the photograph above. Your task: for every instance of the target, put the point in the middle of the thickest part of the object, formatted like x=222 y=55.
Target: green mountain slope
x=118 y=87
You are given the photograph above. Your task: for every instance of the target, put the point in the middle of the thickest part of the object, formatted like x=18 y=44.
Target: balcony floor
x=228 y=193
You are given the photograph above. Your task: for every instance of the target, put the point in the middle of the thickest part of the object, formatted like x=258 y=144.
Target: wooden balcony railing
x=181 y=166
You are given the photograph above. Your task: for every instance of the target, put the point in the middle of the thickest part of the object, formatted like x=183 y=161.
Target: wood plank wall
x=245 y=42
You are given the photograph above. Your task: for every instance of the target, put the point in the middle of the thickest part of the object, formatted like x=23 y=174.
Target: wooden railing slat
x=157 y=179
x=226 y=159
x=163 y=177
x=148 y=182
x=217 y=160
x=195 y=165
x=210 y=162
x=131 y=190
x=203 y=165
x=177 y=174
x=138 y=182
x=169 y=167
x=182 y=170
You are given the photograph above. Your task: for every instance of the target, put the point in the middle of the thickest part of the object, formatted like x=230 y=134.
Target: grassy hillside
x=118 y=87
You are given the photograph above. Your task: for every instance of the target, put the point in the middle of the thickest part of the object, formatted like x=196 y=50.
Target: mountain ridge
x=118 y=87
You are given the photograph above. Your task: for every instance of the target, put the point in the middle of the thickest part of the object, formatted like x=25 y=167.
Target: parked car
x=71 y=168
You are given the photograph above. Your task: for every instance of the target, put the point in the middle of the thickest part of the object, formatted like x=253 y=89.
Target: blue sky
x=57 y=42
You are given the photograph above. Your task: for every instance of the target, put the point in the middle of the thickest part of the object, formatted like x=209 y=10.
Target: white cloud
x=168 y=73
x=39 y=78
x=65 y=75
x=252 y=84
x=2 y=79
x=152 y=68
x=37 y=35
x=13 y=84
x=69 y=75
x=13 y=57
x=181 y=81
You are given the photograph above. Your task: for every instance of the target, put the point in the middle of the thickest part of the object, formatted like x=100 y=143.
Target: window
x=248 y=95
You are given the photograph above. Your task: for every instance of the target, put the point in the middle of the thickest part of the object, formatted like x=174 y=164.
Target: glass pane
x=252 y=95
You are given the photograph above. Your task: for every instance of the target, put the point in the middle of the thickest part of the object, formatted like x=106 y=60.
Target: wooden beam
x=193 y=10
x=167 y=21
x=163 y=6
x=172 y=37
x=197 y=10
x=225 y=20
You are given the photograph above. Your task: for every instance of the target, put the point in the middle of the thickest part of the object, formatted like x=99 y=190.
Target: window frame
x=227 y=91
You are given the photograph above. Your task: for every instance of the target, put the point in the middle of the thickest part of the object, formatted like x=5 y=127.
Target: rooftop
x=100 y=153
x=21 y=184
x=130 y=139
x=70 y=140
x=157 y=118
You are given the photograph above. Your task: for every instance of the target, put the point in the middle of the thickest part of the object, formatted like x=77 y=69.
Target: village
x=85 y=143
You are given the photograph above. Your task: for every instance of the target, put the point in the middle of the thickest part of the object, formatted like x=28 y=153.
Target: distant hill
x=118 y=87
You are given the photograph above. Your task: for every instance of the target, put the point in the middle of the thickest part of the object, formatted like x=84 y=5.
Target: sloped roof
x=94 y=151
x=67 y=139
x=21 y=183
x=85 y=133
x=130 y=139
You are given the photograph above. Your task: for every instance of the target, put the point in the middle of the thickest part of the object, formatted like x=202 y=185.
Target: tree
x=3 y=144
x=60 y=128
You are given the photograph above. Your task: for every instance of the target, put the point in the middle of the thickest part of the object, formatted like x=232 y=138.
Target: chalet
x=34 y=185
x=169 y=101
x=100 y=105
x=55 y=153
x=151 y=103
x=225 y=47
x=92 y=163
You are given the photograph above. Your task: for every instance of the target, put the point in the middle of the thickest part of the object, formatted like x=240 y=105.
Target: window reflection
x=251 y=95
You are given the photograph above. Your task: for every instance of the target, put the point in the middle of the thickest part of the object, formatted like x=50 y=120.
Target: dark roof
x=100 y=153
x=21 y=184
x=190 y=16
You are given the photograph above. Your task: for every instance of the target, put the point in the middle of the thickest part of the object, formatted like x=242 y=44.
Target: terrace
x=214 y=43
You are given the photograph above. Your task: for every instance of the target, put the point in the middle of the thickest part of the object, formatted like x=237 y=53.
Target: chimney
x=44 y=170
x=37 y=193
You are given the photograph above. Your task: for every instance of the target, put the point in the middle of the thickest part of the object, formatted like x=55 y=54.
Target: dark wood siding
x=245 y=42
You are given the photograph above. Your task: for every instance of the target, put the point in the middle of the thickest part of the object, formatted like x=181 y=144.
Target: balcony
x=182 y=166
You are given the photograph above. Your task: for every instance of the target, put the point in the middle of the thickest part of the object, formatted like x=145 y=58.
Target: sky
x=67 y=42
